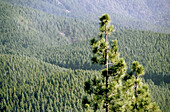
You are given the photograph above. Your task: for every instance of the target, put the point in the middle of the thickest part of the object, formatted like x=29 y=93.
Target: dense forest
x=32 y=85
x=46 y=57
x=29 y=84
x=138 y=14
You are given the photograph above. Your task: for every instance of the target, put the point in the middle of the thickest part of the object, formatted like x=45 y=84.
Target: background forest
x=45 y=53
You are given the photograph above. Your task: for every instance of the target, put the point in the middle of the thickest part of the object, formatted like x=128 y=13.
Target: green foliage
x=30 y=85
x=101 y=90
x=141 y=98
x=137 y=68
x=115 y=91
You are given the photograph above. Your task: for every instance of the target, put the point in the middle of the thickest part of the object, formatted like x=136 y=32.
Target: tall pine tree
x=114 y=90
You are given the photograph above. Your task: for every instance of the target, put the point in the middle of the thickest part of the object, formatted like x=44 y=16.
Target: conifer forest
x=84 y=56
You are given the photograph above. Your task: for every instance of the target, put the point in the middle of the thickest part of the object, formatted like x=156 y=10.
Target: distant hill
x=25 y=24
x=141 y=14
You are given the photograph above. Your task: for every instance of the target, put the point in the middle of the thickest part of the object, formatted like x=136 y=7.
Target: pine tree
x=114 y=90
x=107 y=87
x=140 y=99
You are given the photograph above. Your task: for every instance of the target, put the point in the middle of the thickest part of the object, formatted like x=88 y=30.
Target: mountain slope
x=36 y=27
x=31 y=85
x=133 y=14
x=150 y=49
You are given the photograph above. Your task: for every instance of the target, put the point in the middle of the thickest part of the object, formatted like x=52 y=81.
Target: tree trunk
x=107 y=78
x=136 y=91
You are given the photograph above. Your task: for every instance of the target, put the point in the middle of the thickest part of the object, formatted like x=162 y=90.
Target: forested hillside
x=45 y=53
x=32 y=85
x=36 y=27
x=151 y=49
x=140 y=14
x=29 y=84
